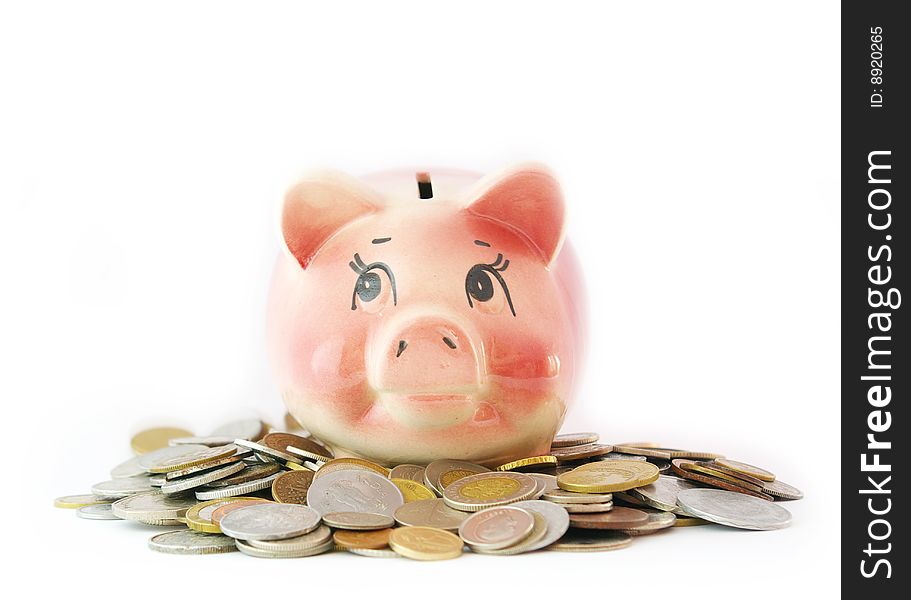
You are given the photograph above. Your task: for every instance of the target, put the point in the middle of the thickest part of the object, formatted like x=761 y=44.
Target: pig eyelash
x=494 y=268
x=358 y=266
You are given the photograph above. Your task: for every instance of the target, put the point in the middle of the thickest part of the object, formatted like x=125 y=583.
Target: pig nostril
x=449 y=342
x=402 y=345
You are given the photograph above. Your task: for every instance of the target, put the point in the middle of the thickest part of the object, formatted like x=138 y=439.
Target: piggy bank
x=413 y=317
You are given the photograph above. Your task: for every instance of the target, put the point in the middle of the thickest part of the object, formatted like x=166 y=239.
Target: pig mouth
x=433 y=409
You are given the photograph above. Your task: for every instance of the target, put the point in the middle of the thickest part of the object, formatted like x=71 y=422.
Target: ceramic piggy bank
x=417 y=318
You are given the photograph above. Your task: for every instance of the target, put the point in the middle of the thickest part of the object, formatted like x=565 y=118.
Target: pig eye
x=369 y=285
x=479 y=285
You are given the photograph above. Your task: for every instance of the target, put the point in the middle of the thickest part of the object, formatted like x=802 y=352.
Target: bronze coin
x=219 y=513
x=714 y=481
x=291 y=487
x=747 y=469
x=620 y=517
x=716 y=466
x=250 y=473
x=691 y=454
x=647 y=452
x=281 y=441
x=372 y=540
x=574 y=439
x=705 y=469
x=579 y=452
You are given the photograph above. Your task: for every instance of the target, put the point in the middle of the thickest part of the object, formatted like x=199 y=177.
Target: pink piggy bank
x=412 y=321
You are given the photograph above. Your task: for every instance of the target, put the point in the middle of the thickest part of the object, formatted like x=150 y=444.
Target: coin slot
x=425 y=188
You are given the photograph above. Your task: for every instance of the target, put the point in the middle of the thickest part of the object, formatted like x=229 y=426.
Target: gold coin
x=608 y=476
x=153 y=439
x=338 y=464
x=192 y=458
x=199 y=517
x=527 y=462
x=412 y=490
x=641 y=451
x=684 y=521
x=484 y=490
x=708 y=470
x=78 y=501
x=296 y=467
x=454 y=475
x=425 y=543
x=750 y=470
x=371 y=540
x=574 y=439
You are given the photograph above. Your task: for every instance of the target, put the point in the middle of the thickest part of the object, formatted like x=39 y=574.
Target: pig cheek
x=525 y=370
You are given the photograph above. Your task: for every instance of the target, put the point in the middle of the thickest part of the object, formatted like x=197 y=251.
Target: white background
x=144 y=149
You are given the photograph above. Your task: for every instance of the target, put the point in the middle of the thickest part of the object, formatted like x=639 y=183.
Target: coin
x=620 y=517
x=271 y=521
x=187 y=541
x=78 y=501
x=340 y=464
x=531 y=461
x=213 y=493
x=263 y=450
x=153 y=439
x=406 y=471
x=195 y=481
x=662 y=493
x=733 y=509
x=608 y=476
x=212 y=464
x=210 y=441
x=157 y=480
x=128 y=468
x=548 y=483
x=565 y=497
x=358 y=521
x=588 y=508
x=569 y=453
x=199 y=517
x=231 y=505
x=697 y=467
x=291 y=487
x=642 y=452
x=626 y=499
x=556 y=517
x=531 y=541
x=354 y=491
x=591 y=540
x=782 y=490
x=374 y=553
x=250 y=550
x=714 y=481
x=244 y=429
x=687 y=521
x=640 y=444
x=146 y=461
x=316 y=538
x=153 y=506
x=123 y=487
x=441 y=473
x=620 y=456
x=496 y=527
x=691 y=454
x=295 y=444
x=430 y=513
x=425 y=543
x=738 y=476
x=484 y=490
x=657 y=520
x=252 y=472
x=412 y=490
x=191 y=457
x=746 y=469
x=362 y=540
x=574 y=439
x=97 y=512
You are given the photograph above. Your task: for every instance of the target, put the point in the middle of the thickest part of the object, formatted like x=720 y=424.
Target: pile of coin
x=272 y=494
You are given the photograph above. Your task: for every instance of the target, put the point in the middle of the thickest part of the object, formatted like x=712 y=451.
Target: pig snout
x=425 y=354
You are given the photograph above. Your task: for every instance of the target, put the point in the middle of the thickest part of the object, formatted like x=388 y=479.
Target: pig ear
x=528 y=200
x=320 y=205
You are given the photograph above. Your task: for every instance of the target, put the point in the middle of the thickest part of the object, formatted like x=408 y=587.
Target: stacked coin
x=272 y=494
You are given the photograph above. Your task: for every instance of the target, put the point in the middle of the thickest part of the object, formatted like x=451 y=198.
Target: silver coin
x=557 y=521
x=150 y=459
x=409 y=472
x=123 y=487
x=498 y=527
x=781 y=490
x=211 y=441
x=358 y=521
x=270 y=521
x=153 y=507
x=538 y=533
x=301 y=543
x=97 y=512
x=195 y=481
x=245 y=429
x=238 y=456
x=620 y=456
x=374 y=552
x=549 y=482
x=588 y=508
x=187 y=541
x=436 y=471
x=662 y=494
x=350 y=490
x=157 y=480
x=263 y=450
x=236 y=490
x=657 y=520
x=128 y=468
x=430 y=513
x=567 y=497
x=733 y=509
x=250 y=550
x=193 y=457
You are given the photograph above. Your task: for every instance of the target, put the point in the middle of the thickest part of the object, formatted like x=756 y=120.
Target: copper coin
x=219 y=513
x=647 y=452
x=714 y=481
x=307 y=447
x=372 y=540
x=579 y=452
x=574 y=439
x=705 y=469
x=716 y=466
x=747 y=469
x=250 y=473
x=291 y=487
x=620 y=517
